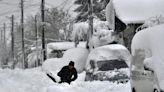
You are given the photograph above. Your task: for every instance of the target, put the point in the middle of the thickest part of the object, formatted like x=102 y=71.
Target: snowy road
x=34 y=80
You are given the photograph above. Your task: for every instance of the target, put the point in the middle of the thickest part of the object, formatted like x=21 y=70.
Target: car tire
x=133 y=90
x=155 y=90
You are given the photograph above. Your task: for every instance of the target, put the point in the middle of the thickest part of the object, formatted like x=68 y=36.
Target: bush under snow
x=101 y=37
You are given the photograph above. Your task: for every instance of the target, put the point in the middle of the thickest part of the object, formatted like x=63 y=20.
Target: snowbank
x=78 y=55
x=34 y=80
x=96 y=86
x=23 y=81
x=134 y=11
x=53 y=64
x=151 y=41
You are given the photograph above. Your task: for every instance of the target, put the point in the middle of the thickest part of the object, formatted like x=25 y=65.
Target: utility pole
x=43 y=29
x=22 y=28
x=90 y=16
x=4 y=34
x=1 y=35
x=36 y=35
x=12 y=38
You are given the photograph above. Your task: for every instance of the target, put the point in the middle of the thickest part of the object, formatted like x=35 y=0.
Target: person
x=67 y=72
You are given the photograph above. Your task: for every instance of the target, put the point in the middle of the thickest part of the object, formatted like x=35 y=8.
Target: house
x=125 y=16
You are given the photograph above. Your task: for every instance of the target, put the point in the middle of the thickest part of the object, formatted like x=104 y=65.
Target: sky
x=9 y=7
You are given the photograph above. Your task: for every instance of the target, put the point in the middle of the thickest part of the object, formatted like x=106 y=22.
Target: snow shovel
x=52 y=78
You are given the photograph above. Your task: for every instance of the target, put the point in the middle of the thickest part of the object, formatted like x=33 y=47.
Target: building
x=125 y=16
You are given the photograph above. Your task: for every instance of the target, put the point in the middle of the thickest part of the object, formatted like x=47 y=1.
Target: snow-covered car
x=143 y=81
x=109 y=62
x=142 y=78
x=147 y=52
x=57 y=49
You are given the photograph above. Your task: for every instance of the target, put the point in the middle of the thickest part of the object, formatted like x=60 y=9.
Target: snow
x=101 y=37
x=96 y=86
x=150 y=41
x=108 y=52
x=110 y=15
x=78 y=55
x=136 y=11
x=64 y=45
x=153 y=21
x=79 y=30
x=22 y=81
x=115 y=72
x=34 y=80
x=53 y=64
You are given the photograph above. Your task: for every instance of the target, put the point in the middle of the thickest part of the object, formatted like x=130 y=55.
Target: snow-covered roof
x=137 y=11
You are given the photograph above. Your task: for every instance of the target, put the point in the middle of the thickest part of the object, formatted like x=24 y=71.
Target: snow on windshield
x=109 y=52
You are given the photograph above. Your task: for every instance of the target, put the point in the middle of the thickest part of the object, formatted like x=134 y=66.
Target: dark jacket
x=66 y=74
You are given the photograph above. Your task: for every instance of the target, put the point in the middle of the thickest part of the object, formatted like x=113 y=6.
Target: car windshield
x=105 y=65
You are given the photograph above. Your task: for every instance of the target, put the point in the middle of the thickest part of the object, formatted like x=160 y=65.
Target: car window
x=105 y=65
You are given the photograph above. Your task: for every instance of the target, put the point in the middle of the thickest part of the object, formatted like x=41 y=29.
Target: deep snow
x=78 y=55
x=35 y=80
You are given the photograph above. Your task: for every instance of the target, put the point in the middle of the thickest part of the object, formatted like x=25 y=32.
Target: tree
x=82 y=9
x=55 y=20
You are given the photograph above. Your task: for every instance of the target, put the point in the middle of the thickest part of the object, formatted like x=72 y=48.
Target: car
x=57 y=49
x=108 y=63
x=143 y=81
x=142 y=77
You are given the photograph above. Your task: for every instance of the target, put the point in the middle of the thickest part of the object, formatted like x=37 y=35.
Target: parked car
x=57 y=49
x=143 y=81
x=109 y=62
x=147 y=65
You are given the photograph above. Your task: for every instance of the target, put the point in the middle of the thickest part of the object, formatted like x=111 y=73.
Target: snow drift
x=53 y=64
x=78 y=55
x=34 y=80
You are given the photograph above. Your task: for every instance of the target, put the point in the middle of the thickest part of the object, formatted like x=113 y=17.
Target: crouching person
x=68 y=73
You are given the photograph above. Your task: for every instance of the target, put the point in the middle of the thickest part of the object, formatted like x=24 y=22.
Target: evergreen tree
x=82 y=9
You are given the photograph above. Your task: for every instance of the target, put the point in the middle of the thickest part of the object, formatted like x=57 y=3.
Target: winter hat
x=71 y=63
